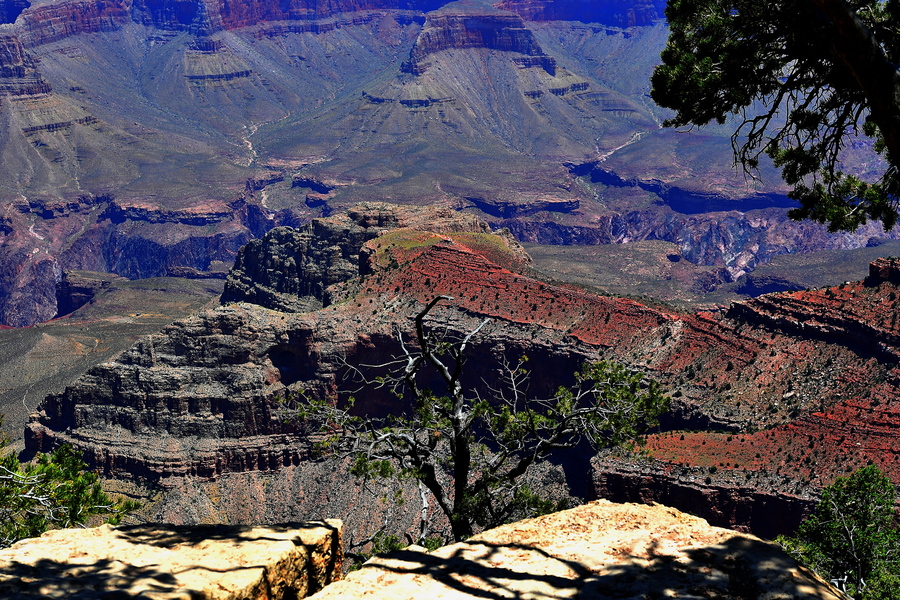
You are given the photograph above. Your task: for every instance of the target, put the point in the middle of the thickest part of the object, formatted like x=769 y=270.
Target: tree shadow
x=105 y=578
x=731 y=570
x=79 y=577
x=167 y=536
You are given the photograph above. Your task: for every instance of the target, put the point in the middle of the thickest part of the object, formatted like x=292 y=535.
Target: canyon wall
x=461 y=31
x=200 y=402
x=51 y=22
x=618 y=13
x=156 y=137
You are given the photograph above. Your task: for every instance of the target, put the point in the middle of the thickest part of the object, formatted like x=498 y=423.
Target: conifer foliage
x=55 y=491
x=806 y=79
x=852 y=538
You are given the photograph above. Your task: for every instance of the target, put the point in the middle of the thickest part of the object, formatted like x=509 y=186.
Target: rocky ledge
x=215 y=562
x=599 y=551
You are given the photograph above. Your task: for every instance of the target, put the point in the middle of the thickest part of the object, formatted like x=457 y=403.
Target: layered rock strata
x=19 y=74
x=200 y=402
x=618 y=13
x=460 y=31
x=201 y=119
x=297 y=270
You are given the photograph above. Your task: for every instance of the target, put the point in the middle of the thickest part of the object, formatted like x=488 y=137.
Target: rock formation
x=620 y=13
x=163 y=561
x=154 y=137
x=460 y=31
x=19 y=75
x=197 y=406
x=323 y=254
x=598 y=551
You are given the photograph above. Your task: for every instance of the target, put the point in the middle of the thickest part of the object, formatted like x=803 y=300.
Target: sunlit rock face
x=600 y=551
x=218 y=562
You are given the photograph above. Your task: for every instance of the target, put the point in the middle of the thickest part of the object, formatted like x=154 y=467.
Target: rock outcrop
x=76 y=289
x=617 y=13
x=200 y=402
x=19 y=74
x=216 y=562
x=298 y=270
x=50 y=22
x=852 y=314
x=460 y=31
x=598 y=551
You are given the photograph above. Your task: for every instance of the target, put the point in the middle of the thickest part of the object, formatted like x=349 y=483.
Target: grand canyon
x=148 y=139
x=208 y=204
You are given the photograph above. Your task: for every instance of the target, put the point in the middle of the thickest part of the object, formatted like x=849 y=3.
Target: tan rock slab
x=597 y=551
x=167 y=562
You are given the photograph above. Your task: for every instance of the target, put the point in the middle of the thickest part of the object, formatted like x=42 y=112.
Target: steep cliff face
x=766 y=505
x=234 y=15
x=462 y=31
x=297 y=270
x=618 y=13
x=19 y=75
x=128 y=239
x=50 y=22
x=58 y=20
x=199 y=401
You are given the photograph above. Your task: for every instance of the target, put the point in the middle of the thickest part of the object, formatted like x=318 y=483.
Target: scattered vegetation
x=853 y=537
x=469 y=450
x=53 y=492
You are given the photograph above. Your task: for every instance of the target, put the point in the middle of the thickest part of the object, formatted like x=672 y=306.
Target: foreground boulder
x=163 y=561
x=600 y=550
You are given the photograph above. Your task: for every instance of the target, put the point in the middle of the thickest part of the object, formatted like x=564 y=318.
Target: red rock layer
x=860 y=314
x=244 y=13
x=51 y=22
x=846 y=415
x=18 y=71
x=458 y=31
x=801 y=409
x=621 y=13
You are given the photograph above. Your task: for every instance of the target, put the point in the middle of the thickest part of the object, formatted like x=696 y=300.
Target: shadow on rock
x=738 y=569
